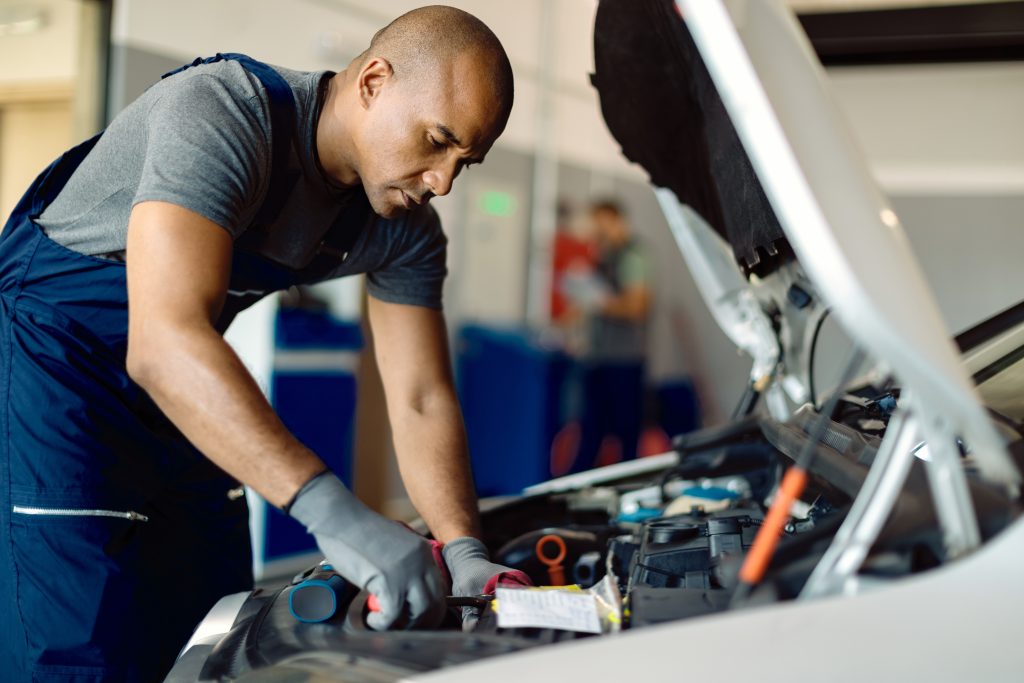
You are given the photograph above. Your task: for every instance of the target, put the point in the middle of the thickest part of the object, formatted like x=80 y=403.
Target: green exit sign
x=495 y=203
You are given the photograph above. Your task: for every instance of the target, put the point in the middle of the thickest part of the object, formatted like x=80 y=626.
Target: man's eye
x=437 y=144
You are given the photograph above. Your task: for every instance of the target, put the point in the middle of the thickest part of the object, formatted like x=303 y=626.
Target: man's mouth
x=409 y=201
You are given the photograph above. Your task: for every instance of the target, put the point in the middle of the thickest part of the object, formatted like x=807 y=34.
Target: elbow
x=143 y=361
x=140 y=365
x=428 y=403
x=156 y=349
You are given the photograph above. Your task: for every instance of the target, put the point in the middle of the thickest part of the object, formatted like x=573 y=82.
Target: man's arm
x=178 y=273
x=632 y=304
x=411 y=344
x=178 y=269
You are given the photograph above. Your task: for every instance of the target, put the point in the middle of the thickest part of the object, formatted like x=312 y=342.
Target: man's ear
x=372 y=77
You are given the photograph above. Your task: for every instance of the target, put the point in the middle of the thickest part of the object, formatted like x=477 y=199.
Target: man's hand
x=472 y=571
x=374 y=553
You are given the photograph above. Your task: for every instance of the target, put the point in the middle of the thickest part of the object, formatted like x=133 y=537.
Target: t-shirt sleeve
x=416 y=271
x=634 y=269
x=207 y=149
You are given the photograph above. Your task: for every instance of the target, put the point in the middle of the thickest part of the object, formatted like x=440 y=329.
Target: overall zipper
x=64 y=512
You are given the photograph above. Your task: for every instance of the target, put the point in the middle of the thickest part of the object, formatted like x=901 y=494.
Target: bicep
x=178 y=265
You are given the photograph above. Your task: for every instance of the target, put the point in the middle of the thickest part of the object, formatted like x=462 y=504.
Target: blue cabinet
x=511 y=390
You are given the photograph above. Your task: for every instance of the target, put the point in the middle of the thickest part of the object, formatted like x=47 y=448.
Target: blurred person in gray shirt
x=614 y=303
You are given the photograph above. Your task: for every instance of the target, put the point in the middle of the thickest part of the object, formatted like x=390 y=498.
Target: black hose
x=810 y=358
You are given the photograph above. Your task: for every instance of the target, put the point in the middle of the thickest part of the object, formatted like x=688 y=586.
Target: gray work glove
x=374 y=553
x=472 y=571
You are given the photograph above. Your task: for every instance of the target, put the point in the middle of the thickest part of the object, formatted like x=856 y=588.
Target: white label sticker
x=523 y=608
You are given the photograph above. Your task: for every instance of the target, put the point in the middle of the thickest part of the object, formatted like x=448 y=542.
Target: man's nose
x=440 y=178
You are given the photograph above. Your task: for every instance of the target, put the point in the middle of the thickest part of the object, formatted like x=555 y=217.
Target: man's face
x=609 y=228
x=417 y=137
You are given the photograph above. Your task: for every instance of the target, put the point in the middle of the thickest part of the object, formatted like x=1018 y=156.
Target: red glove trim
x=435 y=549
x=513 y=578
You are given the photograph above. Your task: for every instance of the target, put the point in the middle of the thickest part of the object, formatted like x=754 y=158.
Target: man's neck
x=333 y=141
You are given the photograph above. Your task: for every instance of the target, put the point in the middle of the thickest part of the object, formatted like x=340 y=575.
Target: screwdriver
x=317 y=598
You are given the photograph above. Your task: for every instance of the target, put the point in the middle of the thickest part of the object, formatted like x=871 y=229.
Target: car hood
x=726 y=106
x=660 y=104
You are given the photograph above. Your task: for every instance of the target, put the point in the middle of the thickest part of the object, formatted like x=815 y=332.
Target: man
x=613 y=377
x=127 y=419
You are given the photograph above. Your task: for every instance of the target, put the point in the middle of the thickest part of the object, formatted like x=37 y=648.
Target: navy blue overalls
x=117 y=535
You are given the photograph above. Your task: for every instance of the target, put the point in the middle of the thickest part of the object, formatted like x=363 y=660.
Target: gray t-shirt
x=614 y=340
x=201 y=139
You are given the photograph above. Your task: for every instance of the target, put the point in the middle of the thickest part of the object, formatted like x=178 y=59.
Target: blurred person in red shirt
x=570 y=252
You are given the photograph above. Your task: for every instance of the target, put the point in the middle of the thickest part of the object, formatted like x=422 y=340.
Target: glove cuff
x=322 y=498
x=464 y=548
x=287 y=507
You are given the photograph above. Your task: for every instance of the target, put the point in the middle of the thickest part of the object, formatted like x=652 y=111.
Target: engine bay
x=663 y=545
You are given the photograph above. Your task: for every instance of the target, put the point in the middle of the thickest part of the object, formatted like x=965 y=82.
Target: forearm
x=195 y=377
x=632 y=305
x=430 y=442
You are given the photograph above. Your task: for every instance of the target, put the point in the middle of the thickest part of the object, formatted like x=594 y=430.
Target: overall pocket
x=77 y=579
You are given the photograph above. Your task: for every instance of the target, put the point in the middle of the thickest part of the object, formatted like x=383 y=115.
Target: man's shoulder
x=229 y=80
x=226 y=76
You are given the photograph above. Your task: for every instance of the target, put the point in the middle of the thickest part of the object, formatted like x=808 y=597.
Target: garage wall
x=47 y=52
x=946 y=143
x=37 y=66
x=51 y=59
x=34 y=129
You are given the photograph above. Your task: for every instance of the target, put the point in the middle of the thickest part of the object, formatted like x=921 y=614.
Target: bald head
x=421 y=44
x=428 y=98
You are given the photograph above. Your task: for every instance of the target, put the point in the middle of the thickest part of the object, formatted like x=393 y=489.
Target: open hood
x=726 y=105
x=660 y=103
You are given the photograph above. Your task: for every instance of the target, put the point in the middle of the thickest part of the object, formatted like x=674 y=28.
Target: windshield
x=1001 y=385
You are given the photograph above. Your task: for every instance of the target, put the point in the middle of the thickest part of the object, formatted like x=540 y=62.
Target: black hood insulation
x=660 y=104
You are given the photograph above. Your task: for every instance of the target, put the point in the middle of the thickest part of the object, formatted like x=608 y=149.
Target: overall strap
x=282 y=123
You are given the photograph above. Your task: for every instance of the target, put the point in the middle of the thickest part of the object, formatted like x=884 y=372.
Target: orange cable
x=756 y=563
